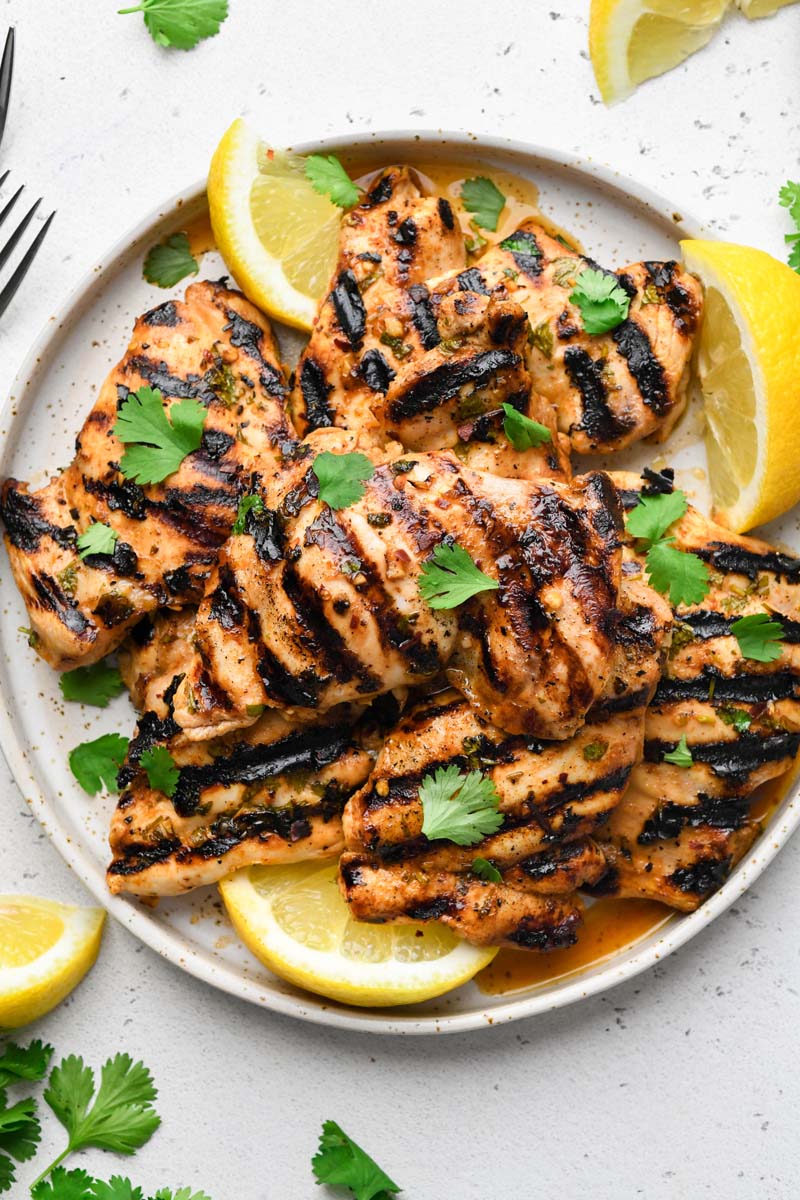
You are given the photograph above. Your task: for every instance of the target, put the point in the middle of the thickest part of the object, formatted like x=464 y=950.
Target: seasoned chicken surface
x=214 y=347
x=377 y=313
x=679 y=830
x=611 y=389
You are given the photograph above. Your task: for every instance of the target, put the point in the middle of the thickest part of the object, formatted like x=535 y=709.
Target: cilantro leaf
x=681 y=756
x=97 y=539
x=24 y=1062
x=653 y=515
x=157 y=443
x=461 y=808
x=95 y=685
x=169 y=262
x=181 y=1194
x=737 y=717
x=96 y=763
x=340 y=1162
x=484 y=200
x=450 y=577
x=790 y=198
x=521 y=243
x=521 y=431
x=247 y=504
x=181 y=23
x=328 y=177
x=759 y=637
x=793 y=239
x=64 y=1185
x=682 y=576
x=122 y=1117
x=602 y=302
x=341 y=477
x=117 y=1188
x=486 y=870
x=162 y=771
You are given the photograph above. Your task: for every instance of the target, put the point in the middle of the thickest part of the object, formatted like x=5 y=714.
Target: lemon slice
x=762 y=8
x=45 y=950
x=276 y=233
x=748 y=365
x=295 y=920
x=633 y=40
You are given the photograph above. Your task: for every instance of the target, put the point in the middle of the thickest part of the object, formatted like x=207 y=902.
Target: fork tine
x=6 y=71
x=4 y=177
x=9 y=291
x=11 y=202
x=7 y=250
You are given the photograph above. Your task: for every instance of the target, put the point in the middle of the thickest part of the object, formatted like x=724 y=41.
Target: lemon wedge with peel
x=296 y=922
x=748 y=366
x=46 y=948
x=278 y=236
x=633 y=40
x=762 y=8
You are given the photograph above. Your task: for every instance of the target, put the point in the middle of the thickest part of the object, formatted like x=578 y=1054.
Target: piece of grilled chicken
x=679 y=831
x=554 y=797
x=214 y=347
x=377 y=312
x=316 y=607
x=612 y=389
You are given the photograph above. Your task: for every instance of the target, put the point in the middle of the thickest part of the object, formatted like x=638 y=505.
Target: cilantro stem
x=123 y=12
x=55 y=1163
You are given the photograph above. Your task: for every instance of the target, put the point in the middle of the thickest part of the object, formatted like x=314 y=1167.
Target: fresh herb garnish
x=475 y=243
x=169 y=262
x=327 y=175
x=542 y=338
x=340 y=1162
x=97 y=539
x=462 y=808
x=594 y=751
x=247 y=504
x=522 y=431
x=399 y=348
x=681 y=756
x=602 y=302
x=737 y=717
x=94 y=685
x=790 y=198
x=486 y=870
x=521 y=245
x=161 y=770
x=484 y=200
x=759 y=637
x=450 y=577
x=24 y=1062
x=20 y=1130
x=678 y=573
x=341 y=477
x=181 y=23
x=157 y=444
x=96 y=763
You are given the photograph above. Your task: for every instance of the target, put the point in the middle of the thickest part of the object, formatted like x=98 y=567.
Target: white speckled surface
x=683 y=1082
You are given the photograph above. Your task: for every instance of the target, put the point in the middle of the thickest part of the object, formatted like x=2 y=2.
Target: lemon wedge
x=762 y=8
x=295 y=921
x=45 y=950
x=748 y=365
x=278 y=236
x=633 y=40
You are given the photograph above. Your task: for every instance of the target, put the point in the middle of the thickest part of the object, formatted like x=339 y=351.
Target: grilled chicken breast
x=679 y=830
x=213 y=347
x=612 y=389
x=377 y=311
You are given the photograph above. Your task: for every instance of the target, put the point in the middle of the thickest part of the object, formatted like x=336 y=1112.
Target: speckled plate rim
x=169 y=944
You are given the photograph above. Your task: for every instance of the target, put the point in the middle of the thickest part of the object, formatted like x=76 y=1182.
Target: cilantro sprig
x=461 y=808
x=328 y=177
x=156 y=443
x=677 y=573
x=341 y=477
x=759 y=636
x=340 y=1162
x=180 y=23
x=483 y=198
x=96 y=763
x=486 y=870
x=20 y=1130
x=602 y=302
x=95 y=685
x=450 y=577
x=170 y=261
x=790 y=199
x=523 y=432
x=161 y=770
x=247 y=504
x=681 y=756
x=97 y=539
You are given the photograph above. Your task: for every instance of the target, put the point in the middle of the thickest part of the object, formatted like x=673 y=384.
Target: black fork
x=9 y=290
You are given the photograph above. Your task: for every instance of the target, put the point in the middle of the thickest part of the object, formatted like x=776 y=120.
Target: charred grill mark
x=246 y=335
x=634 y=346
x=348 y=305
x=597 y=421
x=226 y=607
x=374 y=369
x=126 y=497
x=446 y=213
x=163 y=314
x=423 y=317
x=315 y=390
x=296 y=690
x=529 y=260
x=122 y=561
x=660 y=273
x=406 y=233
x=737 y=560
x=267 y=532
x=178 y=582
x=702 y=877
x=717 y=812
x=706 y=624
x=25 y=525
x=158 y=375
x=626 y=702
x=445 y=382
x=216 y=443
x=382 y=191
x=680 y=302
x=572 y=793
x=471 y=280
x=424 y=532
x=52 y=598
x=533 y=936
x=733 y=689
x=325 y=643
x=542 y=866
x=736 y=759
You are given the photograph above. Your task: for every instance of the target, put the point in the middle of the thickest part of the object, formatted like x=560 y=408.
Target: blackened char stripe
x=731 y=559
x=445 y=382
x=526 y=252
x=349 y=308
x=718 y=812
x=706 y=624
x=315 y=389
x=734 y=759
x=733 y=689
x=422 y=316
x=597 y=420
x=325 y=643
x=471 y=280
x=164 y=314
x=25 y=524
x=375 y=371
x=634 y=346
x=158 y=375
x=52 y=598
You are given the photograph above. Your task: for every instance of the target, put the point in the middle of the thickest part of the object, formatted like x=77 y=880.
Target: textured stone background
x=683 y=1083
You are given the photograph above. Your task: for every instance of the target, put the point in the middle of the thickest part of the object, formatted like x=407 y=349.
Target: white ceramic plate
x=618 y=222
